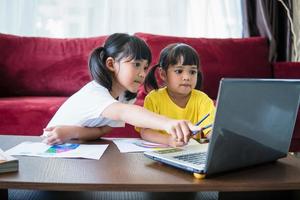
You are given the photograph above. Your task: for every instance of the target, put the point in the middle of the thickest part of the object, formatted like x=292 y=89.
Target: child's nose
x=186 y=76
x=142 y=74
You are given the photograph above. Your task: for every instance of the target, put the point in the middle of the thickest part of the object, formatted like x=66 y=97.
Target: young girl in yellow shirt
x=180 y=98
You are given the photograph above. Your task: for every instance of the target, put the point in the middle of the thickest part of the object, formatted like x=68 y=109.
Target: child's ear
x=162 y=74
x=110 y=64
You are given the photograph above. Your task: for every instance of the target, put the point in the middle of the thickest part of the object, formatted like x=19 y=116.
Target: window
x=77 y=18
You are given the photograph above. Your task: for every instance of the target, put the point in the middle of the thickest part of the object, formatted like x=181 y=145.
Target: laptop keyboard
x=195 y=158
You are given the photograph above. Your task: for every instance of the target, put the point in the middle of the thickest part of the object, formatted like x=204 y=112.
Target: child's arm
x=61 y=134
x=154 y=136
x=141 y=117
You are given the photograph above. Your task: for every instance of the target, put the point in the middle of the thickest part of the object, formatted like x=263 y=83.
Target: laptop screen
x=254 y=122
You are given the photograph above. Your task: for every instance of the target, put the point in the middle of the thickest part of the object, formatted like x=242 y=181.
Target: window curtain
x=268 y=18
x=296 y=18
x=78 y=18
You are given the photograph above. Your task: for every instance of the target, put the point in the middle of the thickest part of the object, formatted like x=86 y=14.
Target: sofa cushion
x=36 y=66
x=27 y=115
x=220 y=58
x=124 y=132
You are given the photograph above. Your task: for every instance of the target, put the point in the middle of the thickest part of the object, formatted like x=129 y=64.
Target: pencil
x=203 y=128
x=207 y=126
x=201 y=120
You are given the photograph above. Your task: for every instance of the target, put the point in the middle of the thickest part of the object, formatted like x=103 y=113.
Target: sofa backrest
x=232 y=58
x=36 y=66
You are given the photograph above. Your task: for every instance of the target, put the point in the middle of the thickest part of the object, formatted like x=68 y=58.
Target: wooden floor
x=45 y=195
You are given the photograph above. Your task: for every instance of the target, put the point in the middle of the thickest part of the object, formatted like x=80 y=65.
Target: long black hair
x=171 y=55
x=117 y=46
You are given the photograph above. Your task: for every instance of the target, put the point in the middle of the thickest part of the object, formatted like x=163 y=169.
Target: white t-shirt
x=84 y=108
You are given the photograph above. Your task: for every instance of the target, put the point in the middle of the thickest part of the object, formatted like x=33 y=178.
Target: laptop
x=253 y=124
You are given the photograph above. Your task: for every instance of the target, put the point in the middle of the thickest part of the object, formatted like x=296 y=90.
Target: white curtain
x=85 y=18
x=296 y=17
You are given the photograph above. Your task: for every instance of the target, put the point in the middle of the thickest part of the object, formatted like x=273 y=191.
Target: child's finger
x=186 y=132
x=49 y=128
x=208 y=135
x=173 y=133
x=197 y=132
x=180 y=144
x=194 y=128
x=179 y=133
x=56 y=141
x=51 y=140
x=47 y=131
x=46 y=134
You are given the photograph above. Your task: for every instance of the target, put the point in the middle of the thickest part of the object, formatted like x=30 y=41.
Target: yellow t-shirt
x=198 y=106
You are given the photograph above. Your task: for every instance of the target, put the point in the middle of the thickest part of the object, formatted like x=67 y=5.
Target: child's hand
x=175 y=143
x=208 y=135
x=201 y=137
x=197 y=134
x=57 y=135
x=181 y=130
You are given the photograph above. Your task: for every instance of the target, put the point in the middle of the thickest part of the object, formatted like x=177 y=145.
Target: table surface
x=117 y=171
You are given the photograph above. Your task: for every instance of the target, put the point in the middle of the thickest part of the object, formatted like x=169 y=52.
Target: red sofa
x=38 y=74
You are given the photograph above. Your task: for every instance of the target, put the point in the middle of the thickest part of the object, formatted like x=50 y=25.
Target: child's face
x=181 y=79
x=130 y=74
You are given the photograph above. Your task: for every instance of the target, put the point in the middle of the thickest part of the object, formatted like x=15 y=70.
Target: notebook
x=8 y=163
x=254 y=123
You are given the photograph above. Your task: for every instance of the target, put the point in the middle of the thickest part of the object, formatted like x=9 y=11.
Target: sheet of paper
x=5 y=157
x=66 y=150
x=127 y=145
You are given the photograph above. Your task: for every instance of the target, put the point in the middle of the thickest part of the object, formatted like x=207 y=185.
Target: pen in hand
x=199 y=122
x=203 y=128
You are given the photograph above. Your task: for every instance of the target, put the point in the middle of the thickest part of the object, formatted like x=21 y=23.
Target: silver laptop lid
x=254 y=122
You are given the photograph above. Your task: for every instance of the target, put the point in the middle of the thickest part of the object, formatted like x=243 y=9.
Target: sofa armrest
x=290 y=70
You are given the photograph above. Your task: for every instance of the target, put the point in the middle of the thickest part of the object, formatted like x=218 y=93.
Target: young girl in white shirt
x=118 y=69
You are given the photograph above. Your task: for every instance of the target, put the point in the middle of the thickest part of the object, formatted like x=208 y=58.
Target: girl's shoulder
x=94 y=88
x=92 y=91
x=157 y=93
x=93 y=85
x=200 y=95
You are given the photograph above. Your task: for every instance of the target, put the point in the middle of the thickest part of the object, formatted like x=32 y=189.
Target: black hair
x=117 y=46
x=171 y=55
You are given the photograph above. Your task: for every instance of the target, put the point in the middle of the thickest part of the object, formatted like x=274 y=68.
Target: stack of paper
x=8 y=163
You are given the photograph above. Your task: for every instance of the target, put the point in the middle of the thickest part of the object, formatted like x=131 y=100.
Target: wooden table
x=133 y=172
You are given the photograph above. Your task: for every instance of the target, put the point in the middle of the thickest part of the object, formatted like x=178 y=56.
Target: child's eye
x=137 y=64
x=178 y=71
x=193 y=72
x=146 y=68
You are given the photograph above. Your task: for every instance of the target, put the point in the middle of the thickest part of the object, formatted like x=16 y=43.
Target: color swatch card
x=66 y=150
